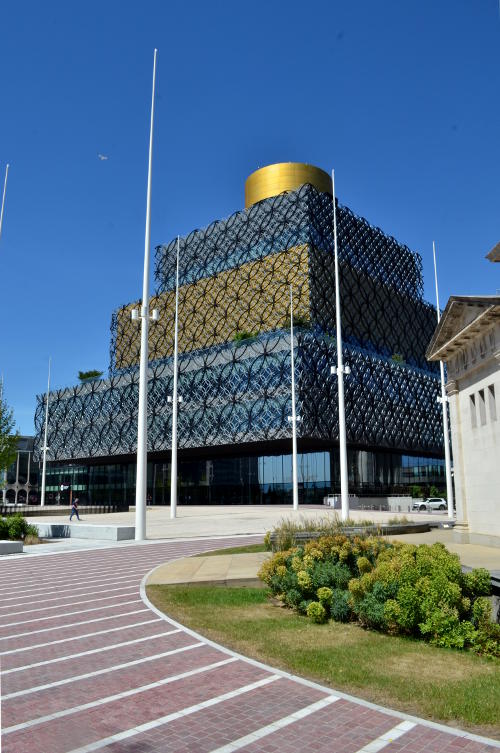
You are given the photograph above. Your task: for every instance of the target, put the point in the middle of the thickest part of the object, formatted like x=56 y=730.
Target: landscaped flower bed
x=404 y=589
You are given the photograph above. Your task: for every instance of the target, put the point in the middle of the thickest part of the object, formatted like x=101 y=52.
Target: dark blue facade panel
x=239 y=394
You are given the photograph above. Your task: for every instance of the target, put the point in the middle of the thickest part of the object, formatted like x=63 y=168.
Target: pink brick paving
x=196 y=700
x=143 y=625
x=58 y=671
x=127 y=615
x=48 y=701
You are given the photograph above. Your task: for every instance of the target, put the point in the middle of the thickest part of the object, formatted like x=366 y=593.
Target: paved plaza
x=220 y=520
x=225 y=520
x=89 y=665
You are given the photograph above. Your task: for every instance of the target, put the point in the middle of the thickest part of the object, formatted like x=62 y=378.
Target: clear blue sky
x=402 y=98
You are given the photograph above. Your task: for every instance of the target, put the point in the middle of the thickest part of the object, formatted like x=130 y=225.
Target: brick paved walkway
x=87 y=665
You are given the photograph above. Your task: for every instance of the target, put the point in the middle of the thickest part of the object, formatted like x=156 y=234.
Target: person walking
x=74 y=509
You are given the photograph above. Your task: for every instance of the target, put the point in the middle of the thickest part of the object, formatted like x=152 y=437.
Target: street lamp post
x=443 y=399
x=45 y=448
x=340 y=370
x=293 y=418
x=175 y=399
x=143 y=315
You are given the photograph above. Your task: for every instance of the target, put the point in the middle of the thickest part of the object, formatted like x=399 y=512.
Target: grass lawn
x=235 y=550
x=444 y=685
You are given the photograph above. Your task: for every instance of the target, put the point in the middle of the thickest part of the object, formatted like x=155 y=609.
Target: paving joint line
x=279 y=724
x=99 y=650
x=75 y=603
x=68 y=614
x=159 y=722
x=103 y=671
x=78 y=637
x=117 y=696
x=77 y=624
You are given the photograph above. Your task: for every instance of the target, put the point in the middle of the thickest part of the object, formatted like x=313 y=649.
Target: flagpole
x=4 y=472
x=45 y=448
x=340 y=370
x=444 y=401
x=142 y=417
x=293 y=418
x=3 y=198
x=175 y=398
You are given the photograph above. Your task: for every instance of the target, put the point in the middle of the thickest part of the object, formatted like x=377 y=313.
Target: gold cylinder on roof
x=284 y=176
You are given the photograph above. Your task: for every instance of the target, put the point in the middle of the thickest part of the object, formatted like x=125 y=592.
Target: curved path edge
x=310 y=683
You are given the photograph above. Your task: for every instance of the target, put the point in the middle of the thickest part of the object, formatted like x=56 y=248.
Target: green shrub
x=31 y=530
x=398 y=588
x=477 y=582
x=4 y=529
x=331 y=525
x=304 y=581
x=398 y=520
x=340 y=605
x=18 y=527
x=316 y=612
x=481 y=611
x=267 y=541
x=487 y=639
x=330 y=575
x=402 y=614
x=363 y=564
x=370 y=611
x=243 y=335
x=421 y=591
x=83 y=376
x=444 y=628
x=324 y=595
x=304 y=605
x=398 y=358
x=293 y=598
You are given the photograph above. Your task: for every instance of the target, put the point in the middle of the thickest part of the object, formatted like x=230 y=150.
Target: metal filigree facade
x=235 y=278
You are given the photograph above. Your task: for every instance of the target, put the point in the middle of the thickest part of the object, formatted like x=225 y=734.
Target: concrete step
x=82 y=530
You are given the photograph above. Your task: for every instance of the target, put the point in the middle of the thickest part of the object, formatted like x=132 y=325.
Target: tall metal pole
x=293 y=417
x=142 y=418
x=3 y=198
x=340 y=371
x=444 y=403
x=45 y=448
x=175 y=398
x=4 y=471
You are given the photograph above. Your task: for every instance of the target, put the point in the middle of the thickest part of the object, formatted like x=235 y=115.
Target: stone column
x=453 y=391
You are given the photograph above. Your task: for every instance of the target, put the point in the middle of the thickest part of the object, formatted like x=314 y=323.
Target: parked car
x=431 y=503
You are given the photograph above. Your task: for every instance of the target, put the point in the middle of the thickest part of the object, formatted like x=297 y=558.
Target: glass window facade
x=262 y=479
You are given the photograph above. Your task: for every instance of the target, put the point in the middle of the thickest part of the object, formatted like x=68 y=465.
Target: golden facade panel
x=251 y=298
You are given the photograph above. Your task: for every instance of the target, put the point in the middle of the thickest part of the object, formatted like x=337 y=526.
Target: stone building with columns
x=467 y=339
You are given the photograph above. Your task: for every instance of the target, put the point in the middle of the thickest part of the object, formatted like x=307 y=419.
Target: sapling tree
x=8 y=438
x=83 y=376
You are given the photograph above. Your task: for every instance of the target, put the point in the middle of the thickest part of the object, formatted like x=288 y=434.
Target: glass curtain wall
x=264 y=479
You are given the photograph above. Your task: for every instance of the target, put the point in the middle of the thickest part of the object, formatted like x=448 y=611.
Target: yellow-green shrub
x=399 y=588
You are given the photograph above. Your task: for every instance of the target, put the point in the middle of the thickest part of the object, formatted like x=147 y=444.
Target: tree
x=8 y=438
x=92 y=374
x=243 y=335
